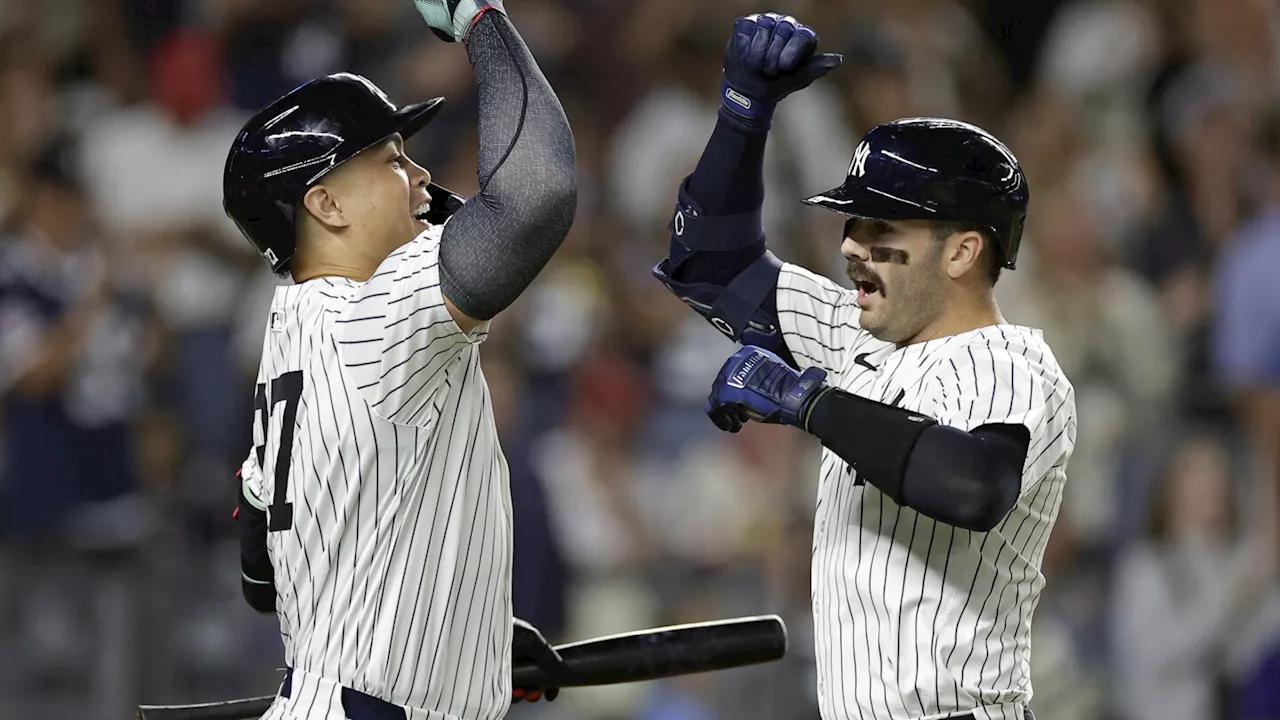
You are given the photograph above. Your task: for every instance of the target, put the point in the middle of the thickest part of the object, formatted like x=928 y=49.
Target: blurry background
x=131 y=316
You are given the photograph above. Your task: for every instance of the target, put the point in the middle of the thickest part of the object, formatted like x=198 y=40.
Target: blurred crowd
x=132 y=311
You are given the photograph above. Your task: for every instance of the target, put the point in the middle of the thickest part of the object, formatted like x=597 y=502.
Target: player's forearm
x=257 y=575
x=729 y=177
x=497 y=243
x=967 y=479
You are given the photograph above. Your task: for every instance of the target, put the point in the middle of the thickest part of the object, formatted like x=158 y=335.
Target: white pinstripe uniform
x=915 y=618
x=387 y=497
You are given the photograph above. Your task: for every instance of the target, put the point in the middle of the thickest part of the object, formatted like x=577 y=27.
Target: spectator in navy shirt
x=72 y=347
x=70 y=367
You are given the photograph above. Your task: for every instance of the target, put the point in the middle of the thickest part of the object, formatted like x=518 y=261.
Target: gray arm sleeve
x=498 y=242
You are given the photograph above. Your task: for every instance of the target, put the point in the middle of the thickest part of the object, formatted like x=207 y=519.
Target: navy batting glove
x=769 y=57
x=755 y=384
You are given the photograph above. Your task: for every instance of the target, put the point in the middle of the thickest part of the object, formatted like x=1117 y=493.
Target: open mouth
x=420 y=213
x=867 y=289
x=866 y=282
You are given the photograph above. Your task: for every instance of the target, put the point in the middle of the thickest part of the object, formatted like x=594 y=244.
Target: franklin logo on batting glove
x=740 y=376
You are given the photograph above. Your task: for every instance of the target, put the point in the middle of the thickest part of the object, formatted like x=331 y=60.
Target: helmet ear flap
x=1013 y=241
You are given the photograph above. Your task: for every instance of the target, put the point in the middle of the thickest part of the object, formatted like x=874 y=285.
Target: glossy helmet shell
x=289 y=145
x=935 y=169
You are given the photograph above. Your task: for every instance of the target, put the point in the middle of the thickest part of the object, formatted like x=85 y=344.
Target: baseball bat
x=662 y=652
x=628 y=657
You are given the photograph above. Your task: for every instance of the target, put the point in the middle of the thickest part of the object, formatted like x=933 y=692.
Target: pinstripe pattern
x=914 y=618
x=394 y=578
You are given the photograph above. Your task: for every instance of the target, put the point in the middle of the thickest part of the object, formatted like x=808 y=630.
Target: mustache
x=858 y=272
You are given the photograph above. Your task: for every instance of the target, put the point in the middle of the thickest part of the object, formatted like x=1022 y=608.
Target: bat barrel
x=664 y=652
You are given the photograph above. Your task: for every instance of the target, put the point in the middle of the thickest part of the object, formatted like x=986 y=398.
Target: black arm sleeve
x=966 y=479
x=494 y=247
x=257 y=576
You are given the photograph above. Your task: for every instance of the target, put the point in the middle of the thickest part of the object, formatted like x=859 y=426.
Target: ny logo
x=858 y=167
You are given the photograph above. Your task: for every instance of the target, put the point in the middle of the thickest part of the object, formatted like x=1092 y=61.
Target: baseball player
x=946 y=431
x=375 y=507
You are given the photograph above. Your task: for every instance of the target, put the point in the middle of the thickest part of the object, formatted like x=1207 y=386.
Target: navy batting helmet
x=290 y=144
x=935 y=169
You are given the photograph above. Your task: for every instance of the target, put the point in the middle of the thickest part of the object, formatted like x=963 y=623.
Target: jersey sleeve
x=984 y=385
x=819 y=319
x=396 y=337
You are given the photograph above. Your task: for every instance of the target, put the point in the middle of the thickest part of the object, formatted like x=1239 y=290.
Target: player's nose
x=854 y=250
x=418 y=175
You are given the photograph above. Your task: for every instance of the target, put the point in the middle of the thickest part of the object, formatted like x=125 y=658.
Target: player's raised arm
x=431 y=299
x=718 y=262
x=495 y=245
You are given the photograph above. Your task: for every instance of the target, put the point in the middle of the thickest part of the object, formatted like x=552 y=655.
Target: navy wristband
x=745 y=111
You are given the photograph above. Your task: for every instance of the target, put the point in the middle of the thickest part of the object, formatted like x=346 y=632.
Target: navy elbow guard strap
x=742 y=307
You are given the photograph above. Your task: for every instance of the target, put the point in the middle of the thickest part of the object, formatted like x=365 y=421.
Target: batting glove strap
x=741 y=109
x=800 y=396
x=696 y=230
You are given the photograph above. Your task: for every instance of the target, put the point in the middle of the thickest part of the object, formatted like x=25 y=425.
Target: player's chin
x=875 y=323
x=413 y=228
x=872 y=313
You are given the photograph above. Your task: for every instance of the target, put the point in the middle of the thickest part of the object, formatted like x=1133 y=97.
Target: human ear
x=325 y=207
x=963 y=253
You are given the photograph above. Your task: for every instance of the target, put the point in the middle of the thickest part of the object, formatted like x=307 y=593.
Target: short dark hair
x=992 y=258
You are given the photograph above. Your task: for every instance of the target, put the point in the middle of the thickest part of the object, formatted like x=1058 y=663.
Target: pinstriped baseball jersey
x=389 y=513
x=915 y=618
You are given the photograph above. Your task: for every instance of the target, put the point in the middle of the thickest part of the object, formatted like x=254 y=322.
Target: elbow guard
x=737 y=301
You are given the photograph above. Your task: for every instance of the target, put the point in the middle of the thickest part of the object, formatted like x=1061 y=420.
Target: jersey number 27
x=285 y=389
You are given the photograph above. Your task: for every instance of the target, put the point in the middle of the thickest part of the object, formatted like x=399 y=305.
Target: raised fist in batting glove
x=755 y=384
x=769 y=57
x=528 y=645
x=451 y=20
